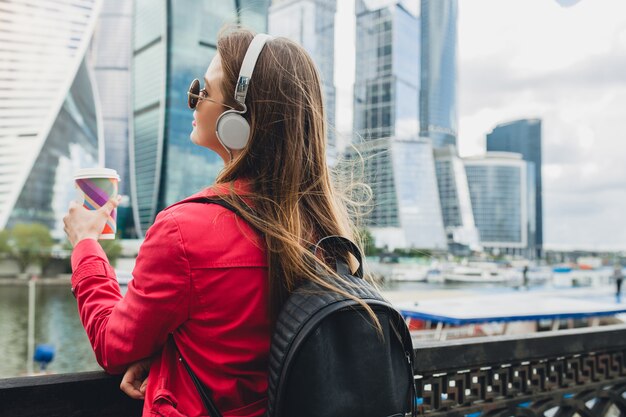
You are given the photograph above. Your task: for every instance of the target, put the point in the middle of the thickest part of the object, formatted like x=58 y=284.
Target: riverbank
x=394 y=295
x=61 y=279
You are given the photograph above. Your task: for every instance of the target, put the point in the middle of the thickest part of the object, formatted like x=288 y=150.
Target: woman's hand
x=81 y=223
x=135 y=379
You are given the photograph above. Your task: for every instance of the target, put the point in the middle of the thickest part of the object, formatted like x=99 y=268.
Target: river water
x=57 y=323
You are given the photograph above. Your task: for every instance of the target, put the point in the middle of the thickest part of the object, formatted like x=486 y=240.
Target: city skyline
x=578 y=91
x=570 y=79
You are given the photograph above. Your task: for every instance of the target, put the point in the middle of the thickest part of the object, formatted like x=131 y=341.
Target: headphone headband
x=247 y=67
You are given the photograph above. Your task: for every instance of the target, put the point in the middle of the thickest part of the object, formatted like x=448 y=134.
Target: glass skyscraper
x=524 y=137
x=49 y=113
x=438 y=113
x=386 y=84
x=456 y=205
x=498 y=190
x=110 y=56
x=174 y=43
x=405 y=211
x=311 y=23
x=399 y=167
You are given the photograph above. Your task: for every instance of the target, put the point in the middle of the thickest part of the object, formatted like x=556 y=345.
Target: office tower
x=399 y=166
x=524 y=137
x=110 y=56
x=386 y=85
x=311 y=23
x=174 y=43
x=498 y=185
x=405 y=211
x=456 y=206
x=50 y=123
x=438 y=114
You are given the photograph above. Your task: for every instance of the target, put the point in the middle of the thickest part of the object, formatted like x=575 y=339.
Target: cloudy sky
x=565 y=65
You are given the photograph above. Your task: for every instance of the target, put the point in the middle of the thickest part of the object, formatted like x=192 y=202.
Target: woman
x=213 y=281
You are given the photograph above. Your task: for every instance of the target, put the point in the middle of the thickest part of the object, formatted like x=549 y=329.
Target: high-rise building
x=405 y=211
x=438 y=114
x=110 y=56
x=524 y=137
x=386 y=84
x=456 y=206
x=174 y=43
x=49 y=117
x=399 y=166
x=498 y=185
x=311 y=23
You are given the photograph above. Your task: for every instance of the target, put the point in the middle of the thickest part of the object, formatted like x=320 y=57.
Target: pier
x=578 y=372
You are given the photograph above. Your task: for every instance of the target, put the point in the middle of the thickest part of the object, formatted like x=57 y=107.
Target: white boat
x=476 y=275
x=408 y=272
x=399 y=271
x=539 y=274
x=434 y=275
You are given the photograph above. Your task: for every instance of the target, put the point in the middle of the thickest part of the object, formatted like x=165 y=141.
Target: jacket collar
x=240 y=186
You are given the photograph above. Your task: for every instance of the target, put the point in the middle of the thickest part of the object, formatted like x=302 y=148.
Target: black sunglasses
x=195 y=95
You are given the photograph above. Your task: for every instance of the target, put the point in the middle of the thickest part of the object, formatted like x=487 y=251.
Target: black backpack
x=327 y=358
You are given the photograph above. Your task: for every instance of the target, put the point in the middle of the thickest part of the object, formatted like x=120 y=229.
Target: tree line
x=31 y=244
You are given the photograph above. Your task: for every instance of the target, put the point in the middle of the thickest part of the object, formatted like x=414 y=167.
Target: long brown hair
x=293 y=200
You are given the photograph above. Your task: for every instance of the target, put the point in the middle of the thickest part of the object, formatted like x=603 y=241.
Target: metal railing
x=549 y=374
x=559 y=373
x=85 y=394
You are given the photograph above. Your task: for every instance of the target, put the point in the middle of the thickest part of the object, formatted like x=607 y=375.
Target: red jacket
x=201 y=274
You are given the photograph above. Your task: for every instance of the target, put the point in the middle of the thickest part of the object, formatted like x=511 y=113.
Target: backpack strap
x=348 y=246
x=208 y=200
x=203 y=390
x=205 y=393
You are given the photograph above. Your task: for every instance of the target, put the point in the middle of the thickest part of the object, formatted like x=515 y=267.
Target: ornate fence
x=562 y=374
x=568 y=373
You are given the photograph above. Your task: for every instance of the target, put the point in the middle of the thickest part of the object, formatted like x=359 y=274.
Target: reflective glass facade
x=386 y=87
x=438 y=112
x=417 y=194
x=72 y=143
x=405 y=210
x=44 y=140
x=448 y=192
x=174 y=43
x=378 y=174
x=399 y=167
x=311 y=23
x=456 y=206
x=524 y=137
x=498 y=191
x=110 y=56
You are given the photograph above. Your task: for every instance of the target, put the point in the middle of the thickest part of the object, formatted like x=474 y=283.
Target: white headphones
x=232 y=129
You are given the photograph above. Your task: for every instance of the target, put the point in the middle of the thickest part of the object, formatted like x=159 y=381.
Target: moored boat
x=477 y=275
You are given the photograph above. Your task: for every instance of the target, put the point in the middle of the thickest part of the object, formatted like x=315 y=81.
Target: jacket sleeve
x=125 y=329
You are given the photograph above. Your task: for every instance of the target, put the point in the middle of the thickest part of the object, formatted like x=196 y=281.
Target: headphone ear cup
x=233 y=130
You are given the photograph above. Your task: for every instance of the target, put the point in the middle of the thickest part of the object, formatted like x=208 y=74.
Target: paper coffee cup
x=95 y=186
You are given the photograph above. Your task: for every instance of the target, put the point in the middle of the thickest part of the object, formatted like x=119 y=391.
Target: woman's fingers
x=80 y=223
x=108 y=207
x=143 y=386
x=130 y=386
x=135 y=380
